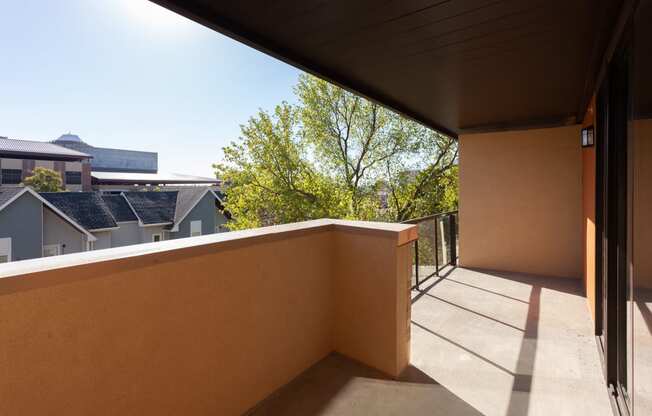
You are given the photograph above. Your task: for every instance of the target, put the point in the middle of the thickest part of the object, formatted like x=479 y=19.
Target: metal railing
x=437 y=246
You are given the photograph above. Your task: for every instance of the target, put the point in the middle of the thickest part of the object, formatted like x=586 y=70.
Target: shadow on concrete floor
x=340 y=386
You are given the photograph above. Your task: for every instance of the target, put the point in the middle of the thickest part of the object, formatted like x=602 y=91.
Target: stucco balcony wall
x=205 y=325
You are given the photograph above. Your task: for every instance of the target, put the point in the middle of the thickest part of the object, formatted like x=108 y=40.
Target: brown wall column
x=28 y=168
x=86 y=176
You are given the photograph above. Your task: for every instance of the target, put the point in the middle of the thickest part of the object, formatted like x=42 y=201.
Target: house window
x=73 y=178
x=90 y=245
x=156 y=237
x=51 y=250
x=5 y=250
x=195 y=228
x=11 y=176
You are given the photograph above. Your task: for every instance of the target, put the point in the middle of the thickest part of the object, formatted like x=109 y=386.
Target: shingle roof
x=119 y=208
x=42 y=150
x=86 y=208
x=153 y=207
x=7 y=193
x=186 y=200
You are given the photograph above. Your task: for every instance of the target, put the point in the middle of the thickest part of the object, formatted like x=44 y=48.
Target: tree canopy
x=44 y=180
x=335 y=154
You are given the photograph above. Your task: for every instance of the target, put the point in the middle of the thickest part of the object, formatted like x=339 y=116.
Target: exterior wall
x=48 y=164
x=103 y=240
x=116 y=160
x=129 y=233
x=58 y=231
x=147 y=232
x=21 y=221
x=521 y=201
x=642 y=204
x=588 y=212
x=12 y=163
x=170 y=318
x=204 y=211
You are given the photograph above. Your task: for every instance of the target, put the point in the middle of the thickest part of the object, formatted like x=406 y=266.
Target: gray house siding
x=129 y=233
x=147 y=232
x=57 y=231
x=204 y=211
x=21 y=221
x=103 y=240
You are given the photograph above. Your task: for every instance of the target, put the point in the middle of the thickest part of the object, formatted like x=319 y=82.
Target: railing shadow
x=519 y=399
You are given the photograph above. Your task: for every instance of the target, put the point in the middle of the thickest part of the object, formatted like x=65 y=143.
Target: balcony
x=482 y=343
x=301 y=319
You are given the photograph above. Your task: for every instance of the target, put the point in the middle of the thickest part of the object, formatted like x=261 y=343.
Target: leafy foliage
x=333 y=155
x=44 y=180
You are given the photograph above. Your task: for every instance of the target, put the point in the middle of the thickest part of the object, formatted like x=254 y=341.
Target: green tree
x=352 y=138
x=270 y=177
x=44 y=180
x=331 y=155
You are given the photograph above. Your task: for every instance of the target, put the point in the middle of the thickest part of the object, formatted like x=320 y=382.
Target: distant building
x=84 y=167
x=52 y=223
x=111 y=160
x=18 y=158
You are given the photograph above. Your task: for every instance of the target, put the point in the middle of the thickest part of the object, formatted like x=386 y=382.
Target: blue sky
x=129 y=74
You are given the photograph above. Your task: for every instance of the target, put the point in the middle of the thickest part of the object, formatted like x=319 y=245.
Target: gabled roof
x=153 y=207
x=187 y=199
x=86 y=208
x=9 y=195
x=38 y=150
x=119 y=208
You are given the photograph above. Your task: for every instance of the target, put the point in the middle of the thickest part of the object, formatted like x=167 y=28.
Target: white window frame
x=57 y=248
x=5 y=248
x=159 y=235
x=195 y=228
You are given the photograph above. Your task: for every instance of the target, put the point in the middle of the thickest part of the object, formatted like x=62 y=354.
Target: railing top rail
x=429 y=217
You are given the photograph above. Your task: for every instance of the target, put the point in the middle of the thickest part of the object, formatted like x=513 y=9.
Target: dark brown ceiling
x=455 y=65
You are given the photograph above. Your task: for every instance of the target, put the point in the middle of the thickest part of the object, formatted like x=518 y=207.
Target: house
x=547 y=311
x=45 y=224
x=31 y=226
x=128 y=218
x=89 y=210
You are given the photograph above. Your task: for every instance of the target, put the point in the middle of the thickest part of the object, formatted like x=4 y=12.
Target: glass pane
x=640 y=326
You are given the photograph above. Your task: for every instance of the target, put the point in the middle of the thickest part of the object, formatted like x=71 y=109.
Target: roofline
x=140 y=221
x=99 y=181
x=52 y=207
x=157 y=224
x=175 y=228
x=97 y=230
x=42 y=156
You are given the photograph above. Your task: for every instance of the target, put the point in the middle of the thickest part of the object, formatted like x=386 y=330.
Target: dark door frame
x=613 y=201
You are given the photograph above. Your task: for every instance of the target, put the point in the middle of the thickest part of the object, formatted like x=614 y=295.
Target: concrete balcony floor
x=482 y=343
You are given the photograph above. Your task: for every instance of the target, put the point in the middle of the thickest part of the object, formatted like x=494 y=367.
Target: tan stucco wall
x=521 y=201
x=203 y=326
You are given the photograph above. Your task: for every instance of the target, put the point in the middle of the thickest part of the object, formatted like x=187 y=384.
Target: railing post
x=416 y=261
x=436 y=230
x=453 y=239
